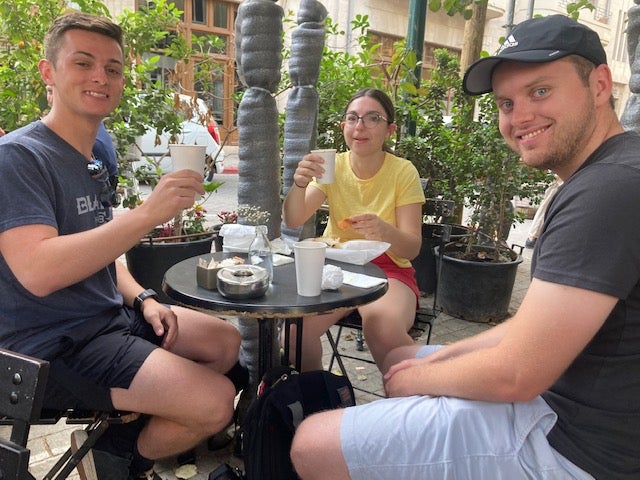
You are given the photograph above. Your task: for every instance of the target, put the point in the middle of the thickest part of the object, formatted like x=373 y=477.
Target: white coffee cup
x=190 y=157
x=309 y=258
x=329 y=165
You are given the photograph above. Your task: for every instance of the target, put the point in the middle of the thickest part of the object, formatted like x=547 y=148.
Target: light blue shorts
x=431 y=438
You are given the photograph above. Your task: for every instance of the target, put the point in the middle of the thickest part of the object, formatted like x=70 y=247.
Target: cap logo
x=508 y=43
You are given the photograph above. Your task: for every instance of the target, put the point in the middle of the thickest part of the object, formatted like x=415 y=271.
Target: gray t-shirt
x=591 y=240
x=44 y=180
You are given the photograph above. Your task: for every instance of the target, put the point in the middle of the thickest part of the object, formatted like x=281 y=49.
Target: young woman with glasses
x=375 y=196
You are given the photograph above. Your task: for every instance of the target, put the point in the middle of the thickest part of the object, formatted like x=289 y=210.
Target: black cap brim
x=477 y=78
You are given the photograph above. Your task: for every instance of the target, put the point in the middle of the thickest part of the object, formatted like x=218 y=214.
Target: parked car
x=154 y=149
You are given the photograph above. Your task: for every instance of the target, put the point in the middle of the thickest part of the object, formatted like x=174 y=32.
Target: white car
x=156 y=147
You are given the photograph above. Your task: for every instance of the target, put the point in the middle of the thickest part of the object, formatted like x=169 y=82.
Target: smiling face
x=547 y=113
x=86 y=75
x=364 y=141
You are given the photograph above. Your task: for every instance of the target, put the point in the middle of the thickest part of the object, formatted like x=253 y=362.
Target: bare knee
x=303 y=453
x=218 y=416
x=398 y=354
x=316 y=450
x=211 y=408
x=231 y=349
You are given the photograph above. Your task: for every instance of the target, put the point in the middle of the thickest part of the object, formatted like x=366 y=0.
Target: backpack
x=285 y=397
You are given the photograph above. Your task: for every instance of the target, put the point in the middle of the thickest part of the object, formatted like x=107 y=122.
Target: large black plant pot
x=477 y=291
x=425 y=262
x=148 y=261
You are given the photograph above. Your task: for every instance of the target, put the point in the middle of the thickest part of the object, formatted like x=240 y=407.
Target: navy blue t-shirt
x=44 y=180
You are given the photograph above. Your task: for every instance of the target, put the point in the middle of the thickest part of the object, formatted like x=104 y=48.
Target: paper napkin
x=361 y=280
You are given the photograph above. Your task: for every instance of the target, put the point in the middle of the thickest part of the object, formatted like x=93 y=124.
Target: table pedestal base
x=269 y=343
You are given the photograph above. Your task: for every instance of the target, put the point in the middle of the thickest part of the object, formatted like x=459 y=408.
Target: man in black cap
x=554 y=391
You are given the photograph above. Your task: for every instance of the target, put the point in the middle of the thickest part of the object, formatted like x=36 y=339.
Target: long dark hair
x=384 y=100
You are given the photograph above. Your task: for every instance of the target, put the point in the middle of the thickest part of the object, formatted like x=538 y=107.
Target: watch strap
x=142 y=296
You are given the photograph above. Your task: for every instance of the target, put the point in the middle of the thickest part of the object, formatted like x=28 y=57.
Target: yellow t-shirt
x=397 y=183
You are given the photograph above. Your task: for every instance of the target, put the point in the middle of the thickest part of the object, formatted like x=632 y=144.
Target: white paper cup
x=309 y=257
x=190 y=157
x=329 y=165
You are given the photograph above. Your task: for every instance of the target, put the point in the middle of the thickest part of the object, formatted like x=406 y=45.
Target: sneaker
x=530 y=243
x=86 y=466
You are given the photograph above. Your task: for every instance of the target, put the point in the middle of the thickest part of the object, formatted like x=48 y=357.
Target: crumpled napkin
x=332 y=277
x=361 y=280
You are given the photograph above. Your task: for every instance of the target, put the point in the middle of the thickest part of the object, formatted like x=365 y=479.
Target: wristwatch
x=142 y=296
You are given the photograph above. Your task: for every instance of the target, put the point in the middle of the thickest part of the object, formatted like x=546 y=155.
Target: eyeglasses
x=369 y=120
x=99 y=172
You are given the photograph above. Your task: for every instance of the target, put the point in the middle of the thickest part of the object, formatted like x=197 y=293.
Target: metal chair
x=424 y=319
x=22 y=387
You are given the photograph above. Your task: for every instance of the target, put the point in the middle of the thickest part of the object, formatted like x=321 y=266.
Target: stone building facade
x=389 y=22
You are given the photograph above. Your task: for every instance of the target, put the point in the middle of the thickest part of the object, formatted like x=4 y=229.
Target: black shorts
x=97 y=357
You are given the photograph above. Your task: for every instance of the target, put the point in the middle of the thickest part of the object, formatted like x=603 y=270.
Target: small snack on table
x=329 y=242
x=345 y=223
x=207 y=270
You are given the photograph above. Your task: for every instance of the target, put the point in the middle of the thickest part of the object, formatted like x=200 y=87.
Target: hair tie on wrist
x=296 y=184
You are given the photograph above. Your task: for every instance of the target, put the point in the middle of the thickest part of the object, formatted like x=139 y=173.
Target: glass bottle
x=260 y=251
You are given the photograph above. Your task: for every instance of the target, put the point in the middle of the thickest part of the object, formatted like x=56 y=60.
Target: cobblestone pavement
x=47 y=443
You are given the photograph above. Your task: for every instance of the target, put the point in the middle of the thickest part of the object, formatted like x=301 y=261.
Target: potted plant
x=185 y=236
x=479 y=269
x=466 y=160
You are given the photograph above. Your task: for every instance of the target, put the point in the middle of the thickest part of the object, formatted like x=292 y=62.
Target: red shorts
x=405 y=275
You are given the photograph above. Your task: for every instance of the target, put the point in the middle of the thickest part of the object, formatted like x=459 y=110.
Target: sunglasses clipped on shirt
x=99 y=172
x=369 y=120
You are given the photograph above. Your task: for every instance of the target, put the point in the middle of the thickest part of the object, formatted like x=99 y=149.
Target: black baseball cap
x=537 y=40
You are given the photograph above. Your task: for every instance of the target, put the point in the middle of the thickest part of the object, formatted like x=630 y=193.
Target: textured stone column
x=259 y=60
x=301 y=123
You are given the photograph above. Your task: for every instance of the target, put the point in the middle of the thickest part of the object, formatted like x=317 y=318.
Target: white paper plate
x=358 y=252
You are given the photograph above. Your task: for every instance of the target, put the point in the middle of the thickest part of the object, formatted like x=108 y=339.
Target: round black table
x=280 y=302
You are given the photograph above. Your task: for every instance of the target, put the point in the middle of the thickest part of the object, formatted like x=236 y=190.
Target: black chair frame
x=424 y=319
x=22 y=388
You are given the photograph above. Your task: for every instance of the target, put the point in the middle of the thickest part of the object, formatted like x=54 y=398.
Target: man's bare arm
x=552 y=326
